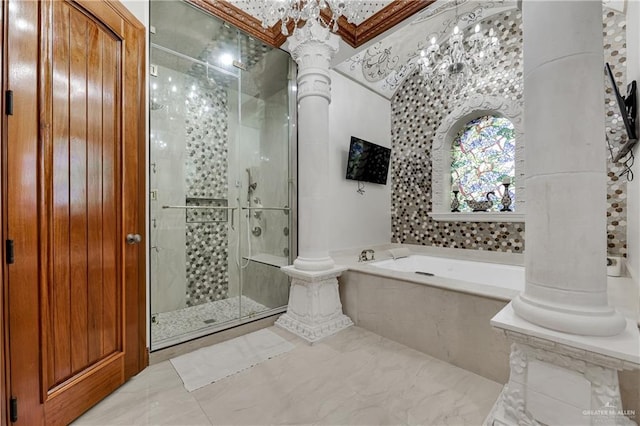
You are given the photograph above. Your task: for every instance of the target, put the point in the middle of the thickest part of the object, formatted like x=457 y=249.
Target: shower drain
x=209 y=321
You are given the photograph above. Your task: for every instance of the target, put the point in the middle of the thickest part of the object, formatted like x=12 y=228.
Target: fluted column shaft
x=565 y=257
x=312 y=47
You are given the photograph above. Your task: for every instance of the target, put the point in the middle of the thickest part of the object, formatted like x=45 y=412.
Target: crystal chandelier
x=300 y=11
x=460 y=61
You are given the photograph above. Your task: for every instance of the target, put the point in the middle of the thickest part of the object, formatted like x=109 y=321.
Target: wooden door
x=73 y=189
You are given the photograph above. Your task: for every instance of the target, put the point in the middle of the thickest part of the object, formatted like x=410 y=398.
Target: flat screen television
x=368 y=162
x=628 y=111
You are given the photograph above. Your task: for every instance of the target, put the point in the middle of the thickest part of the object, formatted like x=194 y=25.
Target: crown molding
x=241 y=19
x=386 y=18
x=354 y=35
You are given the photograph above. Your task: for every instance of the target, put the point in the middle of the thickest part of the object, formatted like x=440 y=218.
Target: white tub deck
x=453 y=276
x=494 y=274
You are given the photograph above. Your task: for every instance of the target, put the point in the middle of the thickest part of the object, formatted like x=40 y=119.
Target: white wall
x=358 y=220
x=633 y=187
x=140 y=8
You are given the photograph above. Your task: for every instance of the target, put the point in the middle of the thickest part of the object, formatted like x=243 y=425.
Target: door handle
x=133 y=238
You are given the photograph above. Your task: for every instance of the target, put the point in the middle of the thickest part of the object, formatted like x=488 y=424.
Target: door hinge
x=8 y=104
x=13 y=409
x=9 y=252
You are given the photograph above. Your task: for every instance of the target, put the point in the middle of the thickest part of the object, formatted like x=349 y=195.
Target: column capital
x=313 y=45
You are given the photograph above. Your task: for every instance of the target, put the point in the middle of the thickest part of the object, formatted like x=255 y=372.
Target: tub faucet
x=367 y=254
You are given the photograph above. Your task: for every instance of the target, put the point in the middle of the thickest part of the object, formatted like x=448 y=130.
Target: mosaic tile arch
x=418 y=109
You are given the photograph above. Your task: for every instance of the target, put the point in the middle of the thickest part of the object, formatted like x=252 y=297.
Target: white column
x=565 y=255
x=314 y=310
x=568 y=343
x=312 y=47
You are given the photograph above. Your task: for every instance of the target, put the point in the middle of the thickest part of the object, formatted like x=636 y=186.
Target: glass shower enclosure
x=221 y=146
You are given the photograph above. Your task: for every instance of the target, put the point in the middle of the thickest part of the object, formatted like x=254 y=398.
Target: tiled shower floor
x=170 y=325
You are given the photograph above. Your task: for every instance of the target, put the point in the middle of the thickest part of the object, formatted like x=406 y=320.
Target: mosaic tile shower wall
x=417 y=110
x=206 y=173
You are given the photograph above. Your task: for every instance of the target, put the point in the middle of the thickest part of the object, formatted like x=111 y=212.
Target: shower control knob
x=133 y=238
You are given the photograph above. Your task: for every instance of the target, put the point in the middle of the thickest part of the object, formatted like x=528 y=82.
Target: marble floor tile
x=353 y=378
x=154 y=397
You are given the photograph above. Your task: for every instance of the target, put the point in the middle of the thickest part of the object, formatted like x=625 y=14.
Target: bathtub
x=444 y=314
x=447 y=315
x=492 y=274
x=488 y=274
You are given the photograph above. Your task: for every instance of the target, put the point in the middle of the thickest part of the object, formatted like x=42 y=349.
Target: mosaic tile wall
x=614 y=29
x=417 y=110
x=206 y=171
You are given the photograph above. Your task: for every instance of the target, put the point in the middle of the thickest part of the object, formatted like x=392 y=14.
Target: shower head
x=252 y=186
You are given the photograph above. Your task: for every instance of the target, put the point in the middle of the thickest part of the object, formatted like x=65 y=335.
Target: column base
x=314 y=311
x=313 y=334
x=559 y=379
x=604 y=321
x=314 y=264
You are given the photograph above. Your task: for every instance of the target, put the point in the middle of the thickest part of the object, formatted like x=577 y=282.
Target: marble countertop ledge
x=624 y=346
x=382 y=253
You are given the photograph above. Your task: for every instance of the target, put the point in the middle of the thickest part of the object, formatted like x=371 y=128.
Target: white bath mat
x=208 y=365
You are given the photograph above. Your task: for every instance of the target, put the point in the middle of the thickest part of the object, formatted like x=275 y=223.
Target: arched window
x=482 y=157
x=462 y=123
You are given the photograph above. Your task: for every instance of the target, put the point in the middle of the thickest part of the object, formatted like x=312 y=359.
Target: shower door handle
x=133 y=238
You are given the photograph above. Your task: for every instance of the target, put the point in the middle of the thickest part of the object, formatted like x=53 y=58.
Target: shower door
x=220 y=222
